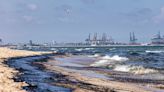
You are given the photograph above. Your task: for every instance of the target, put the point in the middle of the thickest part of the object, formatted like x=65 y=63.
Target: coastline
x=106 y=46
x=7 y=74
x=59 y=77
x=69 y=76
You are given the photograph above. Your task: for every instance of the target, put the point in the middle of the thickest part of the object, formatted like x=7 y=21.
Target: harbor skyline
x=101 y=39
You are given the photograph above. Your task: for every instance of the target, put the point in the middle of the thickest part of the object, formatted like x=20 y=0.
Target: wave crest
x=95 y=55
x=106 y=60
x=154 y=51
x=116 y=64
x=134 y=69
x=115 y=58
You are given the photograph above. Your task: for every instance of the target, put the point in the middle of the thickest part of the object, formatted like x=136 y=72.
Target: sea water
x=137 y=60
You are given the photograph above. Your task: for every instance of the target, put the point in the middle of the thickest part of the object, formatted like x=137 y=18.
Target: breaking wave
x=117 y=63
x=115 y=58
x=154 y=51
x=101 y=63
x=137 y=60
x=79 y=49
x=84 y=49
x=95 y=55
x=106 y=60
x=134 y=69
x=89 y=48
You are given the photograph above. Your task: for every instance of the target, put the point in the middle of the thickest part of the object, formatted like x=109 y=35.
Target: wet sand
x=7 y=83
x=78 y=76
x=38 y=80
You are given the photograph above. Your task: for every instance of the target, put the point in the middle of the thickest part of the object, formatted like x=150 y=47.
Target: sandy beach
x=65 y=73
x=7 y=83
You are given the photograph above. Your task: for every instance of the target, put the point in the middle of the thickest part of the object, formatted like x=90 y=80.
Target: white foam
x=79 y=49
x=112 y=48
x=106 y=60
x=115 y=58
x=95 y=55
x=142 y=70
x=122 y=68
x=154 y=51
x=134 y=69
x=100 y=63
x=89 y=48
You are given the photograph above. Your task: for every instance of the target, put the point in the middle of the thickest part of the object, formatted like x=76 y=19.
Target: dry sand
x=7 y=74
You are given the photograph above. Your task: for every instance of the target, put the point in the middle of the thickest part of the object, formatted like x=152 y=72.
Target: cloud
x=32 y=7
x=28 y=18
x=159 y=18
x=88 y=1
x=64 y=9
x=138 y=16
x=65 y=13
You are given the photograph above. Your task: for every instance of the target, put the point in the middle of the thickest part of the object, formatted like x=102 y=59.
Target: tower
x=133 y=39
x=95 y=40
x=95 y=37
x=1 y=41
x=130 y=37
x=89 y=37
x=30 y=43
x=88 y=40
x=159 y=35
x=104 y=37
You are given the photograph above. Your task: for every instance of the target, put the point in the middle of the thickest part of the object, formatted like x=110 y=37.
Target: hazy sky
x=73 y=20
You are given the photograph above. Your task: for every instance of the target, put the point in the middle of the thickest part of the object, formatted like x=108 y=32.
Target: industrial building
x=158 y=39
x=99 y=40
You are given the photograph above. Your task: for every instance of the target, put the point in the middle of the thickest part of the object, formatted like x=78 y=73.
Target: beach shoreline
x=61 y=76
x=69 y=78
x=7 y=74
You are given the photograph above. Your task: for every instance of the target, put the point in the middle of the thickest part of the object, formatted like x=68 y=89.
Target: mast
x=95 y=37
x=159 y=35
x=89 y=37
x=104 y=37
x=88 y=40
x=134 y=38
x=130 y=37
